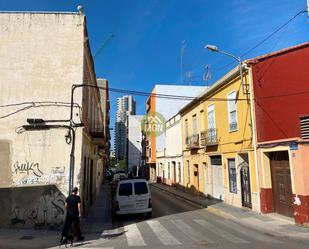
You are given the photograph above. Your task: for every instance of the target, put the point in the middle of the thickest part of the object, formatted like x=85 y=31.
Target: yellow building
x=218 y=146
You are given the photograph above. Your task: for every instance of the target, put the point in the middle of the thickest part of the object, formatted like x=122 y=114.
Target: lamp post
x=214 y=48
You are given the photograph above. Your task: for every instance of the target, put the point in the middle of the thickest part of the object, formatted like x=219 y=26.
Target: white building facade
x=169 y=161
x=166 y=107
x=134 y=143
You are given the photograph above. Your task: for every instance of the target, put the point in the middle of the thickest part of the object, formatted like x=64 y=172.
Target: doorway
x=245 y=181
x=281 y=183
x=196 y=177
x=91 y=183
x=174 y=172
x=205 y=178
x=217 y=177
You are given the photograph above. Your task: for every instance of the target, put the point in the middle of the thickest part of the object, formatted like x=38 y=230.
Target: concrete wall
x=41 y=56
x=46 y=208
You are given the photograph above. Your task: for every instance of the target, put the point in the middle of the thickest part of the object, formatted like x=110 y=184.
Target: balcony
x=193 y=142
x=209 y=138
x=97 y=134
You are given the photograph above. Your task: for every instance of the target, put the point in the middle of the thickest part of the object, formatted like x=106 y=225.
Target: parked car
x=133 y=196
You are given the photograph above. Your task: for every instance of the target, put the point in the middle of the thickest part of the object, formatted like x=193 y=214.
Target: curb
x=199 y=205
x=263 y=229
x=221 y=213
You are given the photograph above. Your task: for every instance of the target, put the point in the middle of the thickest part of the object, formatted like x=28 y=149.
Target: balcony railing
x=209 y=137
x=193 y=142
x=97 y=131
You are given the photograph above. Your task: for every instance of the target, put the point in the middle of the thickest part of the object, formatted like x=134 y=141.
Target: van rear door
x=125 y=196
x=142 y=195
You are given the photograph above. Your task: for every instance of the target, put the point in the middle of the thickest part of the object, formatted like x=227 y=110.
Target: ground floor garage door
x=217 y=177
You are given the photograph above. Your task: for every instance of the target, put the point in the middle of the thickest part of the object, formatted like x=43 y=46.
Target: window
x=202 y=121
x=188 y=170
x=194 y=125
x=211 y=132
x=169 y=171
x=179 y=172
x=125 y=189
x=233 y=125
x=187 y=131
x=195 y=132
x=140 y=188
x=232 y=175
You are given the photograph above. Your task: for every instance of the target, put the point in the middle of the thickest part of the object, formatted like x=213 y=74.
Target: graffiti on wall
x=27 y=168
x=47 y=210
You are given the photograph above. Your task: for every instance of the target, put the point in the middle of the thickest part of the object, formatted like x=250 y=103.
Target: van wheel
x=148 y=215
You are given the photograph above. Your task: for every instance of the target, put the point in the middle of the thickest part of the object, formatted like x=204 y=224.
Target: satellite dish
x=80 y=9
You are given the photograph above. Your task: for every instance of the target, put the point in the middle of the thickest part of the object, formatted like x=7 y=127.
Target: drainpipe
x=254 y=138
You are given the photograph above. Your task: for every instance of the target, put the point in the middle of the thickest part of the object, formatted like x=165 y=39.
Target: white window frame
x=188 y=172
x=229 y=111
x=194 y=125
x=210 y=108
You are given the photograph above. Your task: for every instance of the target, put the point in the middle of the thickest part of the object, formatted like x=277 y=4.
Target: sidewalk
x=99 y=219
x=272 y=224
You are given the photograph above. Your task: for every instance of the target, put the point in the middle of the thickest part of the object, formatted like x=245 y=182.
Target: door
x=174 y=171
x=217 y=177
x=141 y=195
x=196 y=178
x=125 y=197
x=205 y=178
x=281 y=183
x=179 y=172
x=245 y=180
x=245 y=187
x=91 y=183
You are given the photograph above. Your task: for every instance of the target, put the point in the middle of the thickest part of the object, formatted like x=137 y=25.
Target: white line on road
x=219 y=232
x=243 y=230
x=134 y=237
x=189 y=231
x=96 y=247
x=163 y=235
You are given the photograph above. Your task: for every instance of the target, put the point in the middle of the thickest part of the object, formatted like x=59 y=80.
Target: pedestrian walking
x=72 y=205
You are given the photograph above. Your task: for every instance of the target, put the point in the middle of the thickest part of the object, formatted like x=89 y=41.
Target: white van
x=133 y=197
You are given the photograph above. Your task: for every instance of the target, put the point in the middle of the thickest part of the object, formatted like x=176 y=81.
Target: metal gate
x=245 y=187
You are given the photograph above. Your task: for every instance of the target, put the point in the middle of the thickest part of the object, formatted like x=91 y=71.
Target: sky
x=149 y=35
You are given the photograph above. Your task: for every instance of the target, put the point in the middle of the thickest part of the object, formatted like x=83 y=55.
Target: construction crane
x=104 y=43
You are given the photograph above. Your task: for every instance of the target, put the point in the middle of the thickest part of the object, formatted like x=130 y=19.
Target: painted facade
x=157 y=104
x=280 y=81
x=42 y=56
x=218 y=151
x=169 y=161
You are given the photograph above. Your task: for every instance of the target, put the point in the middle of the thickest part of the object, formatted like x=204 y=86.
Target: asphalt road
x=178 y=224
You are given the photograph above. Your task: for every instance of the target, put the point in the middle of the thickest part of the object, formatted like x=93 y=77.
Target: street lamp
x=214 y=48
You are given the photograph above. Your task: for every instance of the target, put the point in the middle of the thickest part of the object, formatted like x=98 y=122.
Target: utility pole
x=182 y=51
